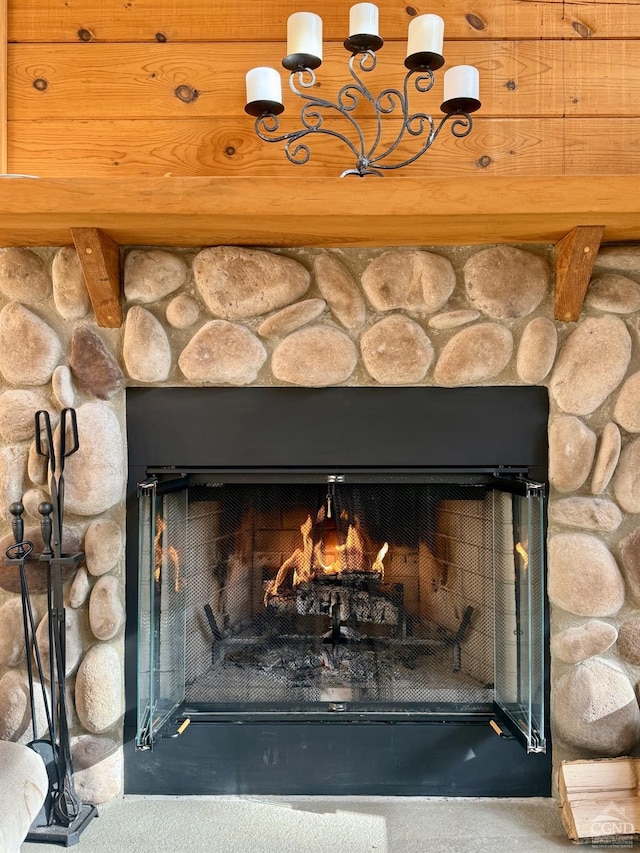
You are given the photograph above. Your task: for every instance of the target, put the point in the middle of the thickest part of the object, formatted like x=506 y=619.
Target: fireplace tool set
x=63 y=816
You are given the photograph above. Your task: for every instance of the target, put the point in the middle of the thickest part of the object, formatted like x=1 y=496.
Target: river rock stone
x=23 y=276
x=607 y=458
x=291 y=318
x=14 y=705
x=537 y=351
x=396 y=351
x=62 y=387
x=152 y=274
x=625 y=258
x=29 y=348
x=588 y=513
x=31 y=500
x=106 y=613
x=594 y=708
x=505 y=282
x=591 y=364
x=453 y=319
x=615 y=293
x=146 y=350
x=70 y=292
x=80 y=589
x=474 y=355
x=99 y=689
x=237 y=283
x=584 y=641
x=341 y=291
x=37 y=466
x=94 y=368
x=572 y=446
x=95 y=476
x=97 y=768
x=13 y=466
x=36 y=578
x=17 y=410
x=584 y=578
x=73 y=642
x=626 y=481
x=627 y=408
x=316 y=356
x=629 y=548
x=414 y=280
x=629 y=640
x=103 y=543
x=12 y=650
x=24 y=779
x=182 y=311
x=222 y=353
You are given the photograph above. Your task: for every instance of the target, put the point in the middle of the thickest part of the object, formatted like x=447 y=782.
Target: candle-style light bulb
x=424 y=46
x=264 y=92
x=363 y=29
x=304 y=41
x=461 y=90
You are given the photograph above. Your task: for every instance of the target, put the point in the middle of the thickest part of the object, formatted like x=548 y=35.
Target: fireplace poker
x=20 y=551
x=66 y=802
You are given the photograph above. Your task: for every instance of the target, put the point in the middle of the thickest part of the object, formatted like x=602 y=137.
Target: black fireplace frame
x=377 y=431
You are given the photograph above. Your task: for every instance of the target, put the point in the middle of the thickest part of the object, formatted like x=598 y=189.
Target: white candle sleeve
x=264 y=84
x=461 y=81
x=304 y=34
x=426 y=34
x=363 y=19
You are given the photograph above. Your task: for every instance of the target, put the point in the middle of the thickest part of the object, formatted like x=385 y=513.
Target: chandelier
x=304 y=55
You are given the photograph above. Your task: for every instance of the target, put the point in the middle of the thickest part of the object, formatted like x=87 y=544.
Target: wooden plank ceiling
x=153 y=88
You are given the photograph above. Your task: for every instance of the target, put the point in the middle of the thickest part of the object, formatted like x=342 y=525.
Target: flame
x=159 y=555
x=326 y=556
x=522 y=553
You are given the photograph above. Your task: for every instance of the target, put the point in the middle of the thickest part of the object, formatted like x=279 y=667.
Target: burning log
x=356 y=603
x=325 y=557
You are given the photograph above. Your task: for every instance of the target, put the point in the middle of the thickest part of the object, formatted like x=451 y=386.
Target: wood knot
x=583 y=30
x=475 y=21
x=229 y=150
x=186 y=94
x=511 y=85
x=161 y=37
x=411 y=11
x=40 y=84
x=85 y=35
x=484 y=161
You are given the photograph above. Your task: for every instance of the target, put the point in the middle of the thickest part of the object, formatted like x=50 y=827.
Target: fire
x=522 y=553
x=159 y=555
x=326 y=556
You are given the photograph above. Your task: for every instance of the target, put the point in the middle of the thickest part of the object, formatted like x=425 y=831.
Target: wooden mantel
x=301 y=211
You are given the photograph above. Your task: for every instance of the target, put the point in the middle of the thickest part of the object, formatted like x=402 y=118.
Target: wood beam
x=4 y=69
x=575 y=256
x=100 y=260
x=300 y=211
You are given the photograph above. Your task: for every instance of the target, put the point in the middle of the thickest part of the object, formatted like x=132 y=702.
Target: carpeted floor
x=321 y=825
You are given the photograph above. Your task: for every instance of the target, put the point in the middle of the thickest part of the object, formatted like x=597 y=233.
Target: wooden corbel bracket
x=100 y=260
x=575 y=256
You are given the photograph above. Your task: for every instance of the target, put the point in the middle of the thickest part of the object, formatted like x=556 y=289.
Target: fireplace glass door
x=351 y=594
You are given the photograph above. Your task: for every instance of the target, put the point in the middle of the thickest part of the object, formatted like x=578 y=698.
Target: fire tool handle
x=17 y=524
x=45 y=509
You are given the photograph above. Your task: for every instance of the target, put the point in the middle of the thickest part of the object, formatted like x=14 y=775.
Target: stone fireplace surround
x=314 y=318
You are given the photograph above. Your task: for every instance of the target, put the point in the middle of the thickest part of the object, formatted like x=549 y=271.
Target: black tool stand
x=62 y=818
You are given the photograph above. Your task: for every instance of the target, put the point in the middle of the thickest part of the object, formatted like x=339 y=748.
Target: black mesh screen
x=339 y=593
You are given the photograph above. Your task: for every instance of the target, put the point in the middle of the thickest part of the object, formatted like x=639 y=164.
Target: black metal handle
x=45 y=509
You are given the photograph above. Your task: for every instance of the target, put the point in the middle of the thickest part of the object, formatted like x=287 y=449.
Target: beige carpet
x=321 y=825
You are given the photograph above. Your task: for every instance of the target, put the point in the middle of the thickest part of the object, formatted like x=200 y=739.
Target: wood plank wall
x=156 y=87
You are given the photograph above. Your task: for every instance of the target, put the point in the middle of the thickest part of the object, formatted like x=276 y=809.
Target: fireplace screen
x=318 y=594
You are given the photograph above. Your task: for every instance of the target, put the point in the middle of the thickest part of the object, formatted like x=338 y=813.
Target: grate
x=285 y=602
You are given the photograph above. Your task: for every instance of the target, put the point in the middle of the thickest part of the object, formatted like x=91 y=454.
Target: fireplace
x=337 y=591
